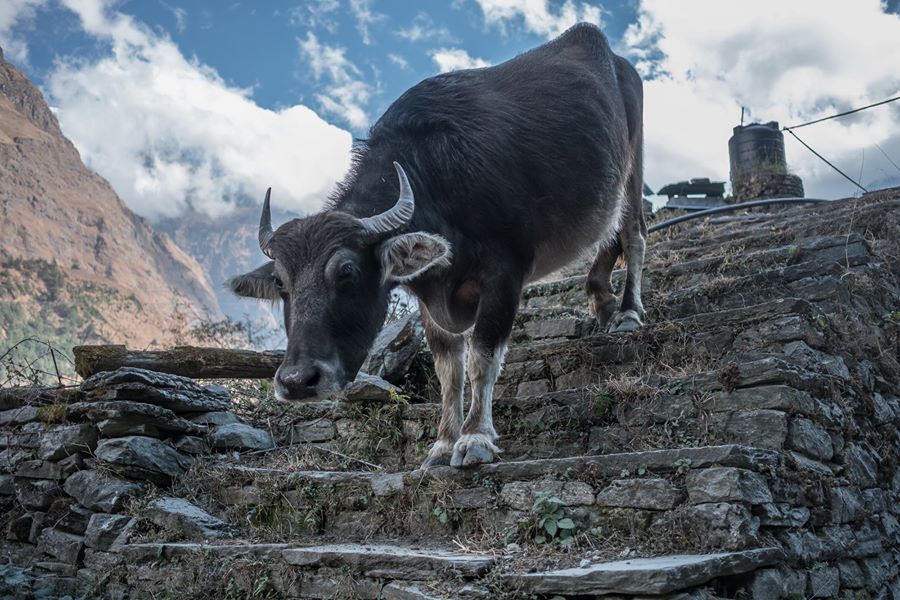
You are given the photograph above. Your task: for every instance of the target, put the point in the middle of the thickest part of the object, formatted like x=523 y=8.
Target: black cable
x=843 y=114
x=827 y=162
x=721 y=209
x=887 y=157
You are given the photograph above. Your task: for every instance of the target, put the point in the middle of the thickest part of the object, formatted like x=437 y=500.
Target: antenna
x=742 y=116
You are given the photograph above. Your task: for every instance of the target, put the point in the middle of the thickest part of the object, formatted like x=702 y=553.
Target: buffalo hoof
x=621 y=322
x=473 y=449
x=439 y=455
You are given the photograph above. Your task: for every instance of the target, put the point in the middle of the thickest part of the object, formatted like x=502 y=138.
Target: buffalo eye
x=345 y=271
x=279 y=284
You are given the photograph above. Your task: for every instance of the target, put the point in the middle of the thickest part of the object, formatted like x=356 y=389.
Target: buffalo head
x=334 y=273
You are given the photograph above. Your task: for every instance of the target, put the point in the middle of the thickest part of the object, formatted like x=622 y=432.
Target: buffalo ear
x=407 y=256
x=258 y=283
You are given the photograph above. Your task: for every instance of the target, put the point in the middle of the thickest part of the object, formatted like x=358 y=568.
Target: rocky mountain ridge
x=75 y=263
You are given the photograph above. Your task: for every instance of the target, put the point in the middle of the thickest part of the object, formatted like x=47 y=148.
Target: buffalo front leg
x=487 y=347
x=598 y=285
x=449 y=352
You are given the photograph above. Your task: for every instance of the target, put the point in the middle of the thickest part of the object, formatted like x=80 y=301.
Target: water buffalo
x=508 y=173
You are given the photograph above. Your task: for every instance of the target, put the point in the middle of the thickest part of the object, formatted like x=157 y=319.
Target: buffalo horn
x=398 y=215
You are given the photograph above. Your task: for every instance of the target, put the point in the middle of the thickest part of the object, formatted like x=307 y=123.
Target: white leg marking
x=450 y=368
x=476 y=445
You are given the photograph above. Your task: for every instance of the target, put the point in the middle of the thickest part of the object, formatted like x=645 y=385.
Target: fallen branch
x=189 y=361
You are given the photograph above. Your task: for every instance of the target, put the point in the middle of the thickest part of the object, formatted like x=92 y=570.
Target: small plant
x=547 y=522
x=683 y=465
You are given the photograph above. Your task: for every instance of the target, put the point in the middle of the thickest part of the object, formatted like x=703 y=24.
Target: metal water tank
x=758 y=147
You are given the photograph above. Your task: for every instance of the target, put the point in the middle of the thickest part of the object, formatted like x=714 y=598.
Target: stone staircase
x=743 y=444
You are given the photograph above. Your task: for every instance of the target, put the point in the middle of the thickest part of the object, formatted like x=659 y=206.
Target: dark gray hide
x=515 y=169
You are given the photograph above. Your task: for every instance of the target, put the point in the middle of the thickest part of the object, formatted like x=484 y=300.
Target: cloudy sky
x=207 y=102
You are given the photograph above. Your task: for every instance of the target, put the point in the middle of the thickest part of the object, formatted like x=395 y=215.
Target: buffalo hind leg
x=632 y=238
x=449 y=352
x=487 y=348
x=601 y=298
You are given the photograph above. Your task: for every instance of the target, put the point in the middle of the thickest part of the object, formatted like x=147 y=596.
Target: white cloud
x=345 y=94
x=455 y=59
x=365 y=17
x=180 y=16
x=316 y=14
x=16 y=13
x=165 y=130
x=537 y=16
x=785 y=61
x=424 y=28
x=398 y=60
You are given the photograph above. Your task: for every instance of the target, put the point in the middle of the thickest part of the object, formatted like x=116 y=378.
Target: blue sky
x=255 y=44
x=206 y=103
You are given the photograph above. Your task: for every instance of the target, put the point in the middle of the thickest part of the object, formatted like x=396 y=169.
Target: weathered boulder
x=176 y=393
x=125 y=417
x=239 y=436
x=810 y=438
x=189 y=444
x=63 y=546
x=105 y=531
x=143 y=458
x=395 y=348
x=101 y=492
x=215 y=418
x=179 y=515
x=36 y=494
x=19 y=416
x=319 y=430
x=67 y=440
x=651 y=494
x=729 y=526
x=369 y=387
x=727 y=484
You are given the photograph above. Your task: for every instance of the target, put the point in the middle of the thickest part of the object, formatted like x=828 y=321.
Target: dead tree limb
x=189 y=361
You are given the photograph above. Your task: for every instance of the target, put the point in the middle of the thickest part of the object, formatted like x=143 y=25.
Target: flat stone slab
x=176 y=393
x=394 y=562
x=660 y=575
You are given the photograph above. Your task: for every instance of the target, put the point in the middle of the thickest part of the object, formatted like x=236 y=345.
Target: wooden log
x=189 y=361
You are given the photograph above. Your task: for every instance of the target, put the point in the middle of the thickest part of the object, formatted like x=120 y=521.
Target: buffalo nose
x=300 y=382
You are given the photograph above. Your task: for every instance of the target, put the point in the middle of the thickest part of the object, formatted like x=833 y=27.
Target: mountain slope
x=75 y=263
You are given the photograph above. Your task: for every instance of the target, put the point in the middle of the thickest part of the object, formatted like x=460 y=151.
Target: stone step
x=689 y=499
x=669 y=286
x=658 y=575
x=694 y=343
x=625 y=416
x=242 y=569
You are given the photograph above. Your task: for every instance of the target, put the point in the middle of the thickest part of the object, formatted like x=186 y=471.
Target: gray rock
x=19 y=528
x=521 y=495
x=651 y=494
x=727 y=484
x=823 y=582
x=816 y=360
x=809 y=438
x=558 y=328
x=19 y=416
x=846 y=504
x=861 y=465
x=851 y=574
x=532 y=388
x=73 y=520
x=473 y=497
x=101 y=492
x=105 y=531
x=884 y=412
x=757 y=428
x=67 y=440
x=319 y=430
x=125 y=417
x=178 y=394
x=389 y=562
x=386 y=484
x=721 y=524
x=179 y=515
x=143 y=458
x=40 y=469
x=661 y=575
x=7 y=486
x=215 y=418
x=239 y=436
x=395 y=348
x=782 y=514
x=767 y=584
x=63 y=546
x=776 y=397
x=801 y=546
x=36 y=494
x=189 y=444
x=369 y=387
